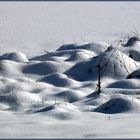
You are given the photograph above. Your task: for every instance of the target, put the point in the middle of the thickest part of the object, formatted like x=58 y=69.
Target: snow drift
x=14 y=56
x=118 y=105
x=62 y=85
x=117 y=66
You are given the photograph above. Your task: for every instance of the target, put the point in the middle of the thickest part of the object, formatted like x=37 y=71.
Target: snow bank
x=126 y=84
x=63 y=111
x=44 y=68
x=58 y=79
x=97 y=48
x=132 y=47
x=61 y=56
x=117 y=66
x=118 y=105
x=71 y=95
x=14 y=56
x=135 y=74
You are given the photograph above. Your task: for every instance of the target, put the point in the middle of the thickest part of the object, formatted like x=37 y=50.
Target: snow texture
x=46 y=93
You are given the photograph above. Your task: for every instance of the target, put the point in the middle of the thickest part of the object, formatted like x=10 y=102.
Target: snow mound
x=71 y=95
x=26 y=97
x=96 y=100
x=135 y=54
x=135 y=74
x=97 y=48
x=59 y=79
x=11 y=100
x=80 y=56
x=61 y=56
x=68 y=47
x=132 y=41
x=9 y=67
x=56 y=59
x=118 y=105
x=46 y=67
x=117 y=66
x=61 y=111
x=126 y=84
x=14 y=56
x=65 y=114
x=134 y=49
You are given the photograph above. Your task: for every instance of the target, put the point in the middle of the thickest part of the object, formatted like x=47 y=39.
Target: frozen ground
x=51 y=93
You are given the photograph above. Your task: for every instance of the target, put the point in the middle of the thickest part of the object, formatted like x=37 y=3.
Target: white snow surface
x=49 y=62
x=54 y=95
